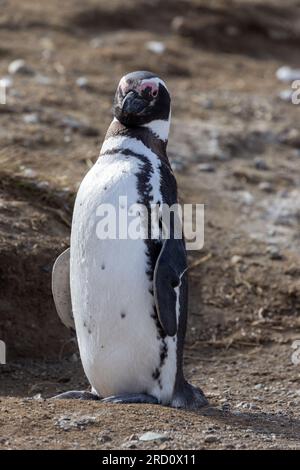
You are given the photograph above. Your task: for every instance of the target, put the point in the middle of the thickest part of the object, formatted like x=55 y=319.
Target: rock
x=286 y=95
x=211 y=439
x=260 y=164
x=19 y=66
x=177 y=24
x=43 y=80
x=29 y=173
x=274 y=253
x=236 y=259
x=245 y=198
x=31 y=118
x=266 y=187
x=82 y=82
x=153 y=436
x=287 y=74
x=104 y=437
x=258 y=386
x=68 y=422
x=156 y=47
x=206 y=167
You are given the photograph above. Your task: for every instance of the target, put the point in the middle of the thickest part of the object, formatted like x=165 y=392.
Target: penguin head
x=142 y=98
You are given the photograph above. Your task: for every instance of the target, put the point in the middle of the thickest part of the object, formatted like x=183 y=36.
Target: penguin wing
x=61 y=289
x=169 y=269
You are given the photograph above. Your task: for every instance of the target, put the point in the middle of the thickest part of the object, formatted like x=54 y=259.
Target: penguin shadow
x=259 y=422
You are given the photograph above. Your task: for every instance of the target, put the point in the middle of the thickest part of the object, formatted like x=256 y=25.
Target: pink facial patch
x=148 y=84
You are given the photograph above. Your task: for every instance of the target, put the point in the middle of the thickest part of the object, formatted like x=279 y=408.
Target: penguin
x=127 y=298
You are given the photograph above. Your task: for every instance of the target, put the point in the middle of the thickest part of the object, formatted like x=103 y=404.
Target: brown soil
x=220 y=65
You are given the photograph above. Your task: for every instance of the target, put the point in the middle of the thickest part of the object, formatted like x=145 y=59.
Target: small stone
x=82 y=82
x=286 y=95
x=153 y=436
x=31 y=118
x=260 y=164
x=287 y=74
x=43 y=80
x=266 y=187
x=104 y=437
x=245 y=198
x=236 y=259
x=225 y=407
x=258 y=386
x=156 y=46
x=29 y=173
x=274 y=253
x=38 y=396
x=19 y=66
x=206 y=167
x=211 y=439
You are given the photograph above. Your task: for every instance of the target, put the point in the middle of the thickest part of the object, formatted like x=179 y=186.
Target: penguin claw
x=131 y=398
x=76 y=395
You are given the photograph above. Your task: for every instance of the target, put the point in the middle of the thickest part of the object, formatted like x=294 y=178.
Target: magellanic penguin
x=129 y=296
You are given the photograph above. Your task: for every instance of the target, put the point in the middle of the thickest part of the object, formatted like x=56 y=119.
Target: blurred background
x=234 y=146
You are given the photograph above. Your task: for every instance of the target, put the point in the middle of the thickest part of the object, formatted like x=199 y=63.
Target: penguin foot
x=189 y=397
x=76 y=395
x=131 y=398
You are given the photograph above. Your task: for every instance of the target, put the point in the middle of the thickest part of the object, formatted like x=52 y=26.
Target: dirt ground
x=234 y=145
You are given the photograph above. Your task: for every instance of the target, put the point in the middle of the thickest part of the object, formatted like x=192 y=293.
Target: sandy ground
x=234 y=145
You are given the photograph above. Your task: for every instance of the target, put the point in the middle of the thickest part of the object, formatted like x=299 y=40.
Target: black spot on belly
x=123 y=315
x=103 y=266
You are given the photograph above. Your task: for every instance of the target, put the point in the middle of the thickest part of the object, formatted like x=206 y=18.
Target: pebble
x=274 y=253
x=260 y=164
x=211 y=439
x=82 y=82
x=266 y=187
x=31 y=118
x=287 y=74
x=43 y=80
x=153 y=436
x=206 y=167
x=245 y=198
x=19 y=66
x=286 y=95
x=258 y=386
x=156 y=47
x=225 y=407
x=104 y=438
x=236 y=259
x=66 y=422
x=29 y=173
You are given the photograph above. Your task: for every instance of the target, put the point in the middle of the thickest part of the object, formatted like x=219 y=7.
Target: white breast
x=111 y=301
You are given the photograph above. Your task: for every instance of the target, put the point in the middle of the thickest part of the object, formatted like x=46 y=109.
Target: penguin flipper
x=169 y=269
x=61 y=289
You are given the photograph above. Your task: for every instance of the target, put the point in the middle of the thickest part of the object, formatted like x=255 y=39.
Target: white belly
x=112 y=305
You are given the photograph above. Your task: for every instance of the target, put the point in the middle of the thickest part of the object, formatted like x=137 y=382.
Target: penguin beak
x=133 y=103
